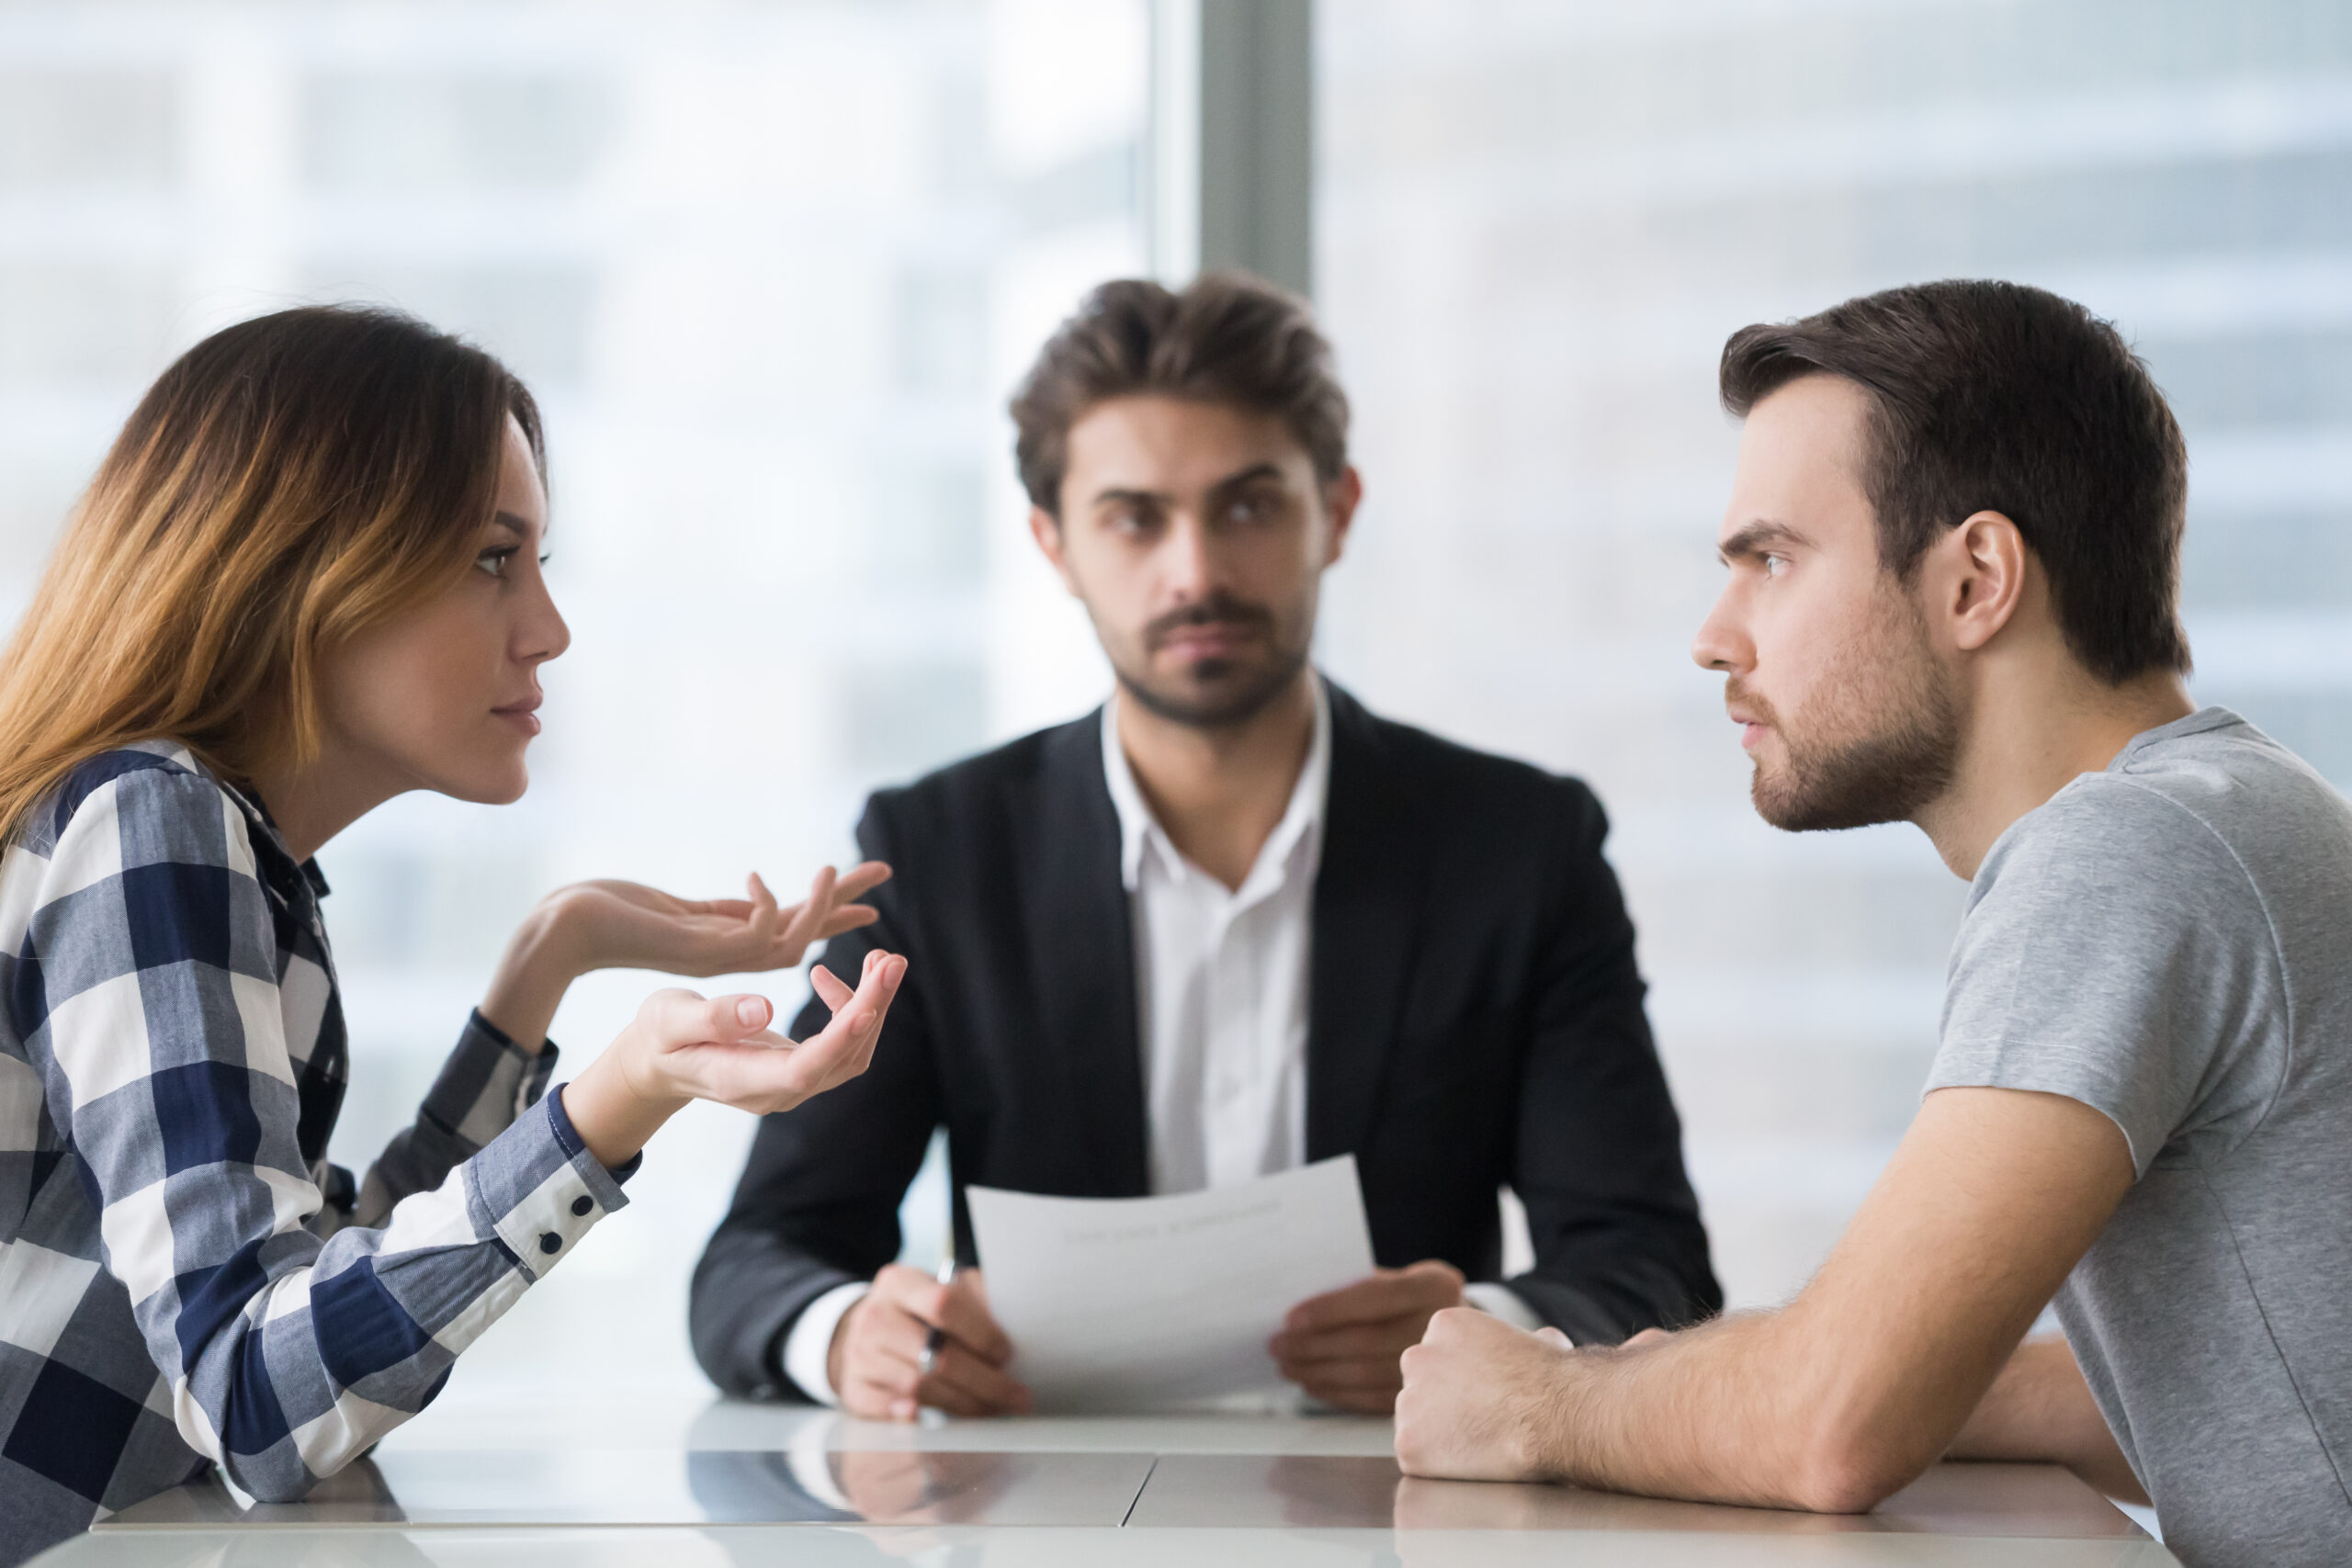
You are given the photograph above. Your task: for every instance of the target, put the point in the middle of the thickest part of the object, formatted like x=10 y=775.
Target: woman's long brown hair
x=288 y=483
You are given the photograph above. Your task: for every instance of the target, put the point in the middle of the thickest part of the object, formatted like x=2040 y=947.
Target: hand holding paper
x=1345 y=1346
x=1127 y=1305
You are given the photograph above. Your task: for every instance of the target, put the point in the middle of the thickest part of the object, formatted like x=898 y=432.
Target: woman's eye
x=494 y=561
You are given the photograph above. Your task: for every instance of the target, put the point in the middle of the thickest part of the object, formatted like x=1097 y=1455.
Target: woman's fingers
x=678 y=1017
x=863 y=878
x=849 y=916
x=842 y=1049
x=720 y=1048
x=829 y=988
x=806 y=919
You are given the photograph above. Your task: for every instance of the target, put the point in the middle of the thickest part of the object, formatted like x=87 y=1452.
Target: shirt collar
x=1139 y=829
x=268 y=835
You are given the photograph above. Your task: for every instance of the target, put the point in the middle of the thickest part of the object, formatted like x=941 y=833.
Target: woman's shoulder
x=157 y=796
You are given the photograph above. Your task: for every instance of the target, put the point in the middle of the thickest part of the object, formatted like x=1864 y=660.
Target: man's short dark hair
x=1229 y=338
x=1995 y=397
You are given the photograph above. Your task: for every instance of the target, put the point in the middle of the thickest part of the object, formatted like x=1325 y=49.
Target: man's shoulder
x=2209 y=825
x=953 y=796
x=1460 y=780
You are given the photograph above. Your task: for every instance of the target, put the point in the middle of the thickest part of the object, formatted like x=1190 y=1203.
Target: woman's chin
x=491 y=786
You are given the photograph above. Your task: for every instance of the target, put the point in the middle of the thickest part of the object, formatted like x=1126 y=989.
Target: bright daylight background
x=772 y=268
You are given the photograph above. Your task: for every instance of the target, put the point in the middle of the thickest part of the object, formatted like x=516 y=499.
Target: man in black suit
x=1230 y=923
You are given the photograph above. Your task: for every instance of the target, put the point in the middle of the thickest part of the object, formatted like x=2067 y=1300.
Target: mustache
x=1739 y=696
x=1219 y=609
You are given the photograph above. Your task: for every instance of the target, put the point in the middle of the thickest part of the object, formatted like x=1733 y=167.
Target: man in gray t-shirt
x=1953 y=544
x=2165 y=942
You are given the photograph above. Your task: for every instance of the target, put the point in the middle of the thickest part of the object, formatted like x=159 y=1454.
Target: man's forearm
x=1723 y=1413
x=1754 y=1409
x=2041 y=1410
x=1842 y=1397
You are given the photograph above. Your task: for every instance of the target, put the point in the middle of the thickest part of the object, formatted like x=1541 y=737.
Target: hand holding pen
x=917 y=1339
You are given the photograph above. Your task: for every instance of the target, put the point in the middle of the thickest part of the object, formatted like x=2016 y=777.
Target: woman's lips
x=523 y=716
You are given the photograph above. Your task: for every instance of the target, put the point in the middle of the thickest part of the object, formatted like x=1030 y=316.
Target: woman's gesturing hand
x=626 y=925
x=686 y=1046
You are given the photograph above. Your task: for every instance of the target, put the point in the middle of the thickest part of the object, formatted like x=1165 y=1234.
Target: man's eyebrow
x=1245 y=476
x=1255 y=471
x=1130 y=497
x=1759 y=539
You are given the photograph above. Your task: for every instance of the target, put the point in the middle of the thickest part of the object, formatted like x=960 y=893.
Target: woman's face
x=446 y=698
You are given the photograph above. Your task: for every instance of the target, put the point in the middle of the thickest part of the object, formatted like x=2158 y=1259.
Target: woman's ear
x=1977 y=578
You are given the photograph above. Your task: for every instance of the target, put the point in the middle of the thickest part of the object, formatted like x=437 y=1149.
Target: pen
x=936 y=1340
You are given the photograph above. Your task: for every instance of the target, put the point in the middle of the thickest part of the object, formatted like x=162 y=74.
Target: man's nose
x=1188 y=558
x=1721 y=643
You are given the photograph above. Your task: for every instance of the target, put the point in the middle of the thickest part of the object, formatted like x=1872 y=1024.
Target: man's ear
x=1978 y=577
x=1046 y=530
x=1341 y=499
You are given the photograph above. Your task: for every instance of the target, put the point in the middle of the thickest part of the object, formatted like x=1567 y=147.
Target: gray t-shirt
x=2170 y=942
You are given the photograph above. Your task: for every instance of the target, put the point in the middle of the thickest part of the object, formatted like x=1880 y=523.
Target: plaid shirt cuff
x=541 y=1189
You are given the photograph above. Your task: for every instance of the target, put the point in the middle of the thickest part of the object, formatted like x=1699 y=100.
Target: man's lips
x=1212 y=637
x=1751 y=730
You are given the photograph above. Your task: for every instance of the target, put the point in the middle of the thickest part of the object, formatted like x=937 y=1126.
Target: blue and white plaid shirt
x=185 y=1281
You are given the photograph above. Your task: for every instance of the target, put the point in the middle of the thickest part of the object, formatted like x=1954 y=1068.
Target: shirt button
x=583 y=1204
x=551 y=1242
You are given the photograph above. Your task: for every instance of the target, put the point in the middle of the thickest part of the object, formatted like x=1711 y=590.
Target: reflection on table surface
x=1316 y=1492
x=533 y=1420
x=624 y=1487
x=966 y=1546
x=747 y=1486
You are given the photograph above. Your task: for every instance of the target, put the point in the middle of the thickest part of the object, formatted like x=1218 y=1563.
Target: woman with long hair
x=306 y=580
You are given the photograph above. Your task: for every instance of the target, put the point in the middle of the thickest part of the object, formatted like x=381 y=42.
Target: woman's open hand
x=626 y=925
x=685 y=1046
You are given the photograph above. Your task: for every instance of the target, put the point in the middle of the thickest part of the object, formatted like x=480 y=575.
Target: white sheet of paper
x=1139 y=1304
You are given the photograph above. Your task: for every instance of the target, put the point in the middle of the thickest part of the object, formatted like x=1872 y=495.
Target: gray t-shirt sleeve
x=2116 y=951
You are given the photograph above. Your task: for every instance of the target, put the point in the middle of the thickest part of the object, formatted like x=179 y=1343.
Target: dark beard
x=1887 y=775
x=1252 y=689
x=1228 y=709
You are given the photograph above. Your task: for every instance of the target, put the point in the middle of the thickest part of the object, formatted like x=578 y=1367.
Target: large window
x=1537 y=224
x=771 y=269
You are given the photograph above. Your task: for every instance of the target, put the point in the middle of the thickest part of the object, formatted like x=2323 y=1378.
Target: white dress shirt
x=1221 y=981
x=1222 y=989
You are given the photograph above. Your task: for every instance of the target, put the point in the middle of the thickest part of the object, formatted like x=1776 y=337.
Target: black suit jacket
x=1474 y=1020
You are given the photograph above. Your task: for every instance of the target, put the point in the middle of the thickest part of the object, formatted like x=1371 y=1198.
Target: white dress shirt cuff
x=1495 y=1300
x=808 y=1343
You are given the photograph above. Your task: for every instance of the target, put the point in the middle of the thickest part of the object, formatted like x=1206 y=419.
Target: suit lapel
x=1367 y=897
x=1081 y=954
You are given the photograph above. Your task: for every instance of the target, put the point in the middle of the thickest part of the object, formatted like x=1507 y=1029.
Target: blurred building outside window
x=770 y=270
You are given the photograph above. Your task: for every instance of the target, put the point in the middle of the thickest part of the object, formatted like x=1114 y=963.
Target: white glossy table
x=528 y=1481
